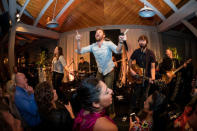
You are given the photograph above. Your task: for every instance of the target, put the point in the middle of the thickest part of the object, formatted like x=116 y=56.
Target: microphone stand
x=71 y=63
x=69 y=66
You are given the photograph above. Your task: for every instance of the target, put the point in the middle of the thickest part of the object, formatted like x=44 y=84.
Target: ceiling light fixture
x=53 y=23
x=146 y=12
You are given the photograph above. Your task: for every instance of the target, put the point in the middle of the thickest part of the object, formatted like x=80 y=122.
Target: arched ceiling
x=88 y=13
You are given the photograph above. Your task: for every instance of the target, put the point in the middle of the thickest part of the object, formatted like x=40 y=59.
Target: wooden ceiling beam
x=26 y=37
x=25 y=12
x=43 y=11
x=23 y=28
x=185 y=22
x=155 y=9
x=185 y=11
x=171 y=5
x=64 y=9
x=190 y=27
x=23 y=8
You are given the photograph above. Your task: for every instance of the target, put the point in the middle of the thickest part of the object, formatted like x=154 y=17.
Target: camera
x=133 y=115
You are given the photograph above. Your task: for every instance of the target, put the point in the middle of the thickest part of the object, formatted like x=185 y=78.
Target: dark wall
x=186 y=45
x=4 y=23
x=33 y=50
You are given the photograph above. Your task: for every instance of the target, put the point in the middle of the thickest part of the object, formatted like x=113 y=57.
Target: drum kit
x=80 y=75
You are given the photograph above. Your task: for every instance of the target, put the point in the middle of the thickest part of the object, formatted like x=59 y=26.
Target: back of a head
x=43 y=95
x=159 y=107
x=158 y=101
x=60 y=51
x=88 y=92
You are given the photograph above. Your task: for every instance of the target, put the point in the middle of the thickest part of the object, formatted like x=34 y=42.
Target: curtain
x=153 y=37
x=69 y=45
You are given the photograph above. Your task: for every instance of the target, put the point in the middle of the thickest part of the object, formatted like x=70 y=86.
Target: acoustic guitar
x=167 y=78
x=139 y=79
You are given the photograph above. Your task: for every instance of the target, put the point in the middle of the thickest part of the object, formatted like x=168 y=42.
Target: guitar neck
x=147 y=78
x=178 y=69
x=188 y=61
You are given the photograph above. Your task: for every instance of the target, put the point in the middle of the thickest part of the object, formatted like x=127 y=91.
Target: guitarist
x=145 y=59
x=169 y=64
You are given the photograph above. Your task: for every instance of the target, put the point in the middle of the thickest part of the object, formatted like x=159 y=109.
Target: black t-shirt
x=144 y=59
x=83 y=66
x=57 y=119
x=168 y=64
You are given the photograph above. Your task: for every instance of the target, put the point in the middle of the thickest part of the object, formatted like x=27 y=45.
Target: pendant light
x=146 y=12
x=53 y=23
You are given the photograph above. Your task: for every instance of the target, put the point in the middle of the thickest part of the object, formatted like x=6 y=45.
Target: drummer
x=83 y=67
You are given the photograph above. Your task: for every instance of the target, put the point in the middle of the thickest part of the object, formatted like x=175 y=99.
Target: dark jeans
x=109 y=80
x=57 y=83
x=138 y=96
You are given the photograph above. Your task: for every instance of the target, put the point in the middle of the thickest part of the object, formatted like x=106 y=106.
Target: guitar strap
x=146 y=74
x=146 y=69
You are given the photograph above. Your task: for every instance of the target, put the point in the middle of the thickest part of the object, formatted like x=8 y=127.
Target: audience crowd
x=23 y=107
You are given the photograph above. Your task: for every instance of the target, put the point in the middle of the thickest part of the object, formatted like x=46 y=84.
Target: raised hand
x=29 y=89
x=69 y=108
x=78 y=36
x=123 y=37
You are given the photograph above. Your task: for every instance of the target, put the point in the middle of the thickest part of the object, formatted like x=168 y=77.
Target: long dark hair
x=60 y=52
x=88 y=92
x=156 y=104
x=44 y=95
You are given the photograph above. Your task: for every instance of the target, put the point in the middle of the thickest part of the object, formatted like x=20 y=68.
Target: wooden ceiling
x=89 y=13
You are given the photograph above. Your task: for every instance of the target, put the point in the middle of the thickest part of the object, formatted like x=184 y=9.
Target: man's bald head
x=21 y=80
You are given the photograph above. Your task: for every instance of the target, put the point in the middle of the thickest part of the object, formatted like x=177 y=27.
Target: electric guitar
x=171 y=74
